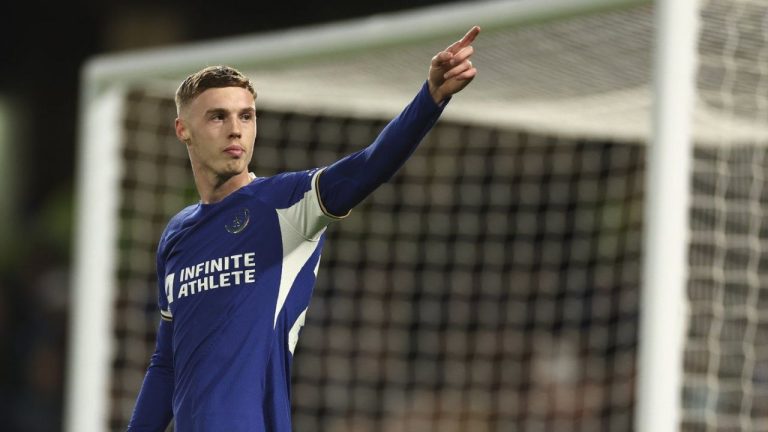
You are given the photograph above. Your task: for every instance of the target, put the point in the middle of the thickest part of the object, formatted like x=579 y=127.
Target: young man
x=236 y=271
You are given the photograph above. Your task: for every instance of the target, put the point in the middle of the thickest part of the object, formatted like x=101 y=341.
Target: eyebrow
x=224 y=111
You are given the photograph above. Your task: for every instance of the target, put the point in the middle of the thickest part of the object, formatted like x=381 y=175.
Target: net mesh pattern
x=725 y=385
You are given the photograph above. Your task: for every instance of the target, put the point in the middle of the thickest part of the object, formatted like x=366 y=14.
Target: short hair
x=207 y=78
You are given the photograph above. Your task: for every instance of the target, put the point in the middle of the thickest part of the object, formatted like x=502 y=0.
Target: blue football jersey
x=236 y=280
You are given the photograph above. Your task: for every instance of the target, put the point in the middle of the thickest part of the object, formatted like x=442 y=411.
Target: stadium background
x=43 y=47
x=559 y=251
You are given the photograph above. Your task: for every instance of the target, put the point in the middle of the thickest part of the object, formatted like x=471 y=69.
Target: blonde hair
x=207 y=78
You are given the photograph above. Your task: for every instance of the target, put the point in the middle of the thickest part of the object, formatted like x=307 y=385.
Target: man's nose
x=235 y=130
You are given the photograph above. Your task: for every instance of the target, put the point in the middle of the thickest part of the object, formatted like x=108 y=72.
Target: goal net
x=494 y=283
x=726 y=352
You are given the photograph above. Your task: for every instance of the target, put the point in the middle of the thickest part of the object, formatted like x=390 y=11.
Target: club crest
x=239 y=222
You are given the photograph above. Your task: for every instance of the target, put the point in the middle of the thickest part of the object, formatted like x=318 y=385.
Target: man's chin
x=234 y=167
x=231 y=171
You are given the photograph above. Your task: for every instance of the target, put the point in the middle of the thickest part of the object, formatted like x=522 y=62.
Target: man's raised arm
x=348 y=181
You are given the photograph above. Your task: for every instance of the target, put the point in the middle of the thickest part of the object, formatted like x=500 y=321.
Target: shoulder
x=176 y=223
x=284 y=189
x=285 y=179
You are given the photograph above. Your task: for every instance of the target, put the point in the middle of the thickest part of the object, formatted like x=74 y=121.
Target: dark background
x=44 y=45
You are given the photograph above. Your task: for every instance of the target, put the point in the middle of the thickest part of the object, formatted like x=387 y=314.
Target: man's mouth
x=234 y=150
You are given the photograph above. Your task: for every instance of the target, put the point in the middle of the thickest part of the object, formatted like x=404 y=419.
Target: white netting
x=726 y=358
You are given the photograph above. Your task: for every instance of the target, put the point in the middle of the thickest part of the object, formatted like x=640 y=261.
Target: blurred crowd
x=34 y=302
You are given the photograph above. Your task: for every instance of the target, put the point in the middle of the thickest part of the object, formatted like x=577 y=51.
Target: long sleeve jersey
x=235 y=280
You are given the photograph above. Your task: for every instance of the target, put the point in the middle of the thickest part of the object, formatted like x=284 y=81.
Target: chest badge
x=238 y=222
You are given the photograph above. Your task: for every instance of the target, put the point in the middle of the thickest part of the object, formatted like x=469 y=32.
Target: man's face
x=219 y=128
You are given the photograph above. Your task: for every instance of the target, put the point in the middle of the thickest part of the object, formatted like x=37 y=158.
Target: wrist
x=436 y=94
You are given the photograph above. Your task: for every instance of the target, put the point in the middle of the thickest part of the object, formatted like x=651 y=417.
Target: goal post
x=525 y=270
x=663 y=313
x=96 y=219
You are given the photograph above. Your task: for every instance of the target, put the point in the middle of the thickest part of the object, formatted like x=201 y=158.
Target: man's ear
x=181 y=131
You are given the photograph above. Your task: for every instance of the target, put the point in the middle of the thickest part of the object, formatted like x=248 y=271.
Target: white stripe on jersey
x=301 y=226
x=293 y=335
x=296 y=252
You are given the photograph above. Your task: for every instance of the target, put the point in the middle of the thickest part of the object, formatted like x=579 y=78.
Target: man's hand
x=451 y=70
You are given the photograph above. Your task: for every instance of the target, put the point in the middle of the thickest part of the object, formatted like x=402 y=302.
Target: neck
x=213 y=188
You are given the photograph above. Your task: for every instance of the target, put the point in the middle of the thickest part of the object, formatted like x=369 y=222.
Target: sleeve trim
x=166 y=315
x=316 y=187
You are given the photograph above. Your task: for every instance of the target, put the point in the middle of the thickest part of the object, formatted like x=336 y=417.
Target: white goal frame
x=104 y=79
x=663 y=305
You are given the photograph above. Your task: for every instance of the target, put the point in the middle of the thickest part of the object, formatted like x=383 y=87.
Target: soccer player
x=236 y=271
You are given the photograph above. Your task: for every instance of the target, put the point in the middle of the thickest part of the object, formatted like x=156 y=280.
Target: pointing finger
x=470 y=36
x=465 y=41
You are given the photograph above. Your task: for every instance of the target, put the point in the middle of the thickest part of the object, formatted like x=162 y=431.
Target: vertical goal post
x=663 y=312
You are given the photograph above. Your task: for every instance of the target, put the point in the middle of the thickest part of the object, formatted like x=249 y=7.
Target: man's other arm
x=153 y=410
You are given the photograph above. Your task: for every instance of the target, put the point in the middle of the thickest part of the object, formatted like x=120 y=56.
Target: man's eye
x=217 y=117
x=247 y=116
